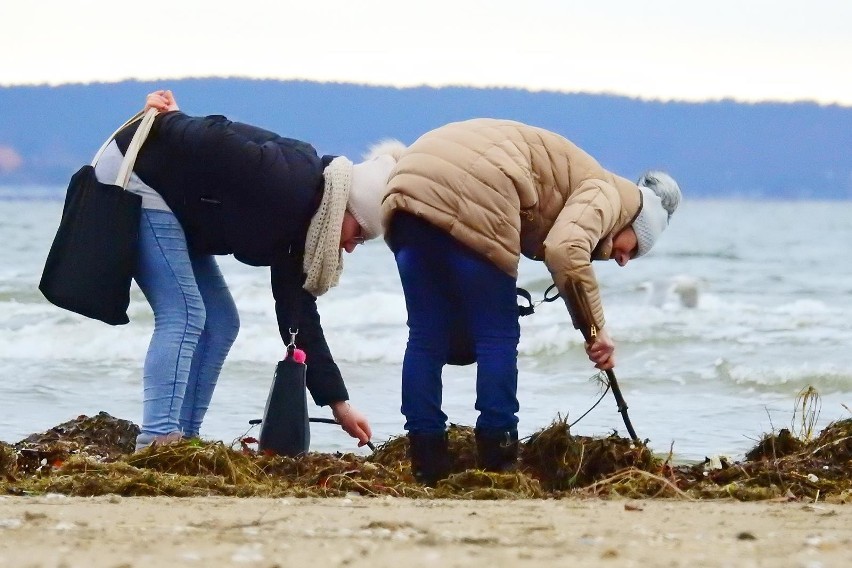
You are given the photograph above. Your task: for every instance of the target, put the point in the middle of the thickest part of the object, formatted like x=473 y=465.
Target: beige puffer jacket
x=504 y=188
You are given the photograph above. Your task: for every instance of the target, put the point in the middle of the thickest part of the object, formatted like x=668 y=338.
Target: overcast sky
x=748 y=50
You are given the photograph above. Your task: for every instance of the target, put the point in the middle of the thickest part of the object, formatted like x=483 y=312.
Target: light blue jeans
x=195 y=324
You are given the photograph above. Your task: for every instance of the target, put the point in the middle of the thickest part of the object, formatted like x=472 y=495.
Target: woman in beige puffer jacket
x=463 y=203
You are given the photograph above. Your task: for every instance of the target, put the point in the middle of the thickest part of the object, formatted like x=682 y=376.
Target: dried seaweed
x=477 y=484
x=773 y=446
x=94 y=456
x=562 y=461
x=8 y=461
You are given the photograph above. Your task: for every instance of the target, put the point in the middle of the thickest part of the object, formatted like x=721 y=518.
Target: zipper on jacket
x=582 y=304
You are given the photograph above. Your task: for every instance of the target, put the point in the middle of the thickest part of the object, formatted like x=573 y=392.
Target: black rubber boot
x=430 y=458
x=497 y=450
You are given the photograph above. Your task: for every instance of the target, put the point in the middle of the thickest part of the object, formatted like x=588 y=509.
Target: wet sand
x=113 y=531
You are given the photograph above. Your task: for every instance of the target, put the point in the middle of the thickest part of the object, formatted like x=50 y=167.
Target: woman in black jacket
x=209 y=187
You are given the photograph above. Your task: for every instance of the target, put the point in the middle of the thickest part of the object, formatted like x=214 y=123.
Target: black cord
x=257 y=421
x=592 y=408
x=324 y=420
x=597 y=402
x=333 y=421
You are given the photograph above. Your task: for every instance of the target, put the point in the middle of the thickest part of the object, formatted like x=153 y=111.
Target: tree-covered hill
x=724 y=148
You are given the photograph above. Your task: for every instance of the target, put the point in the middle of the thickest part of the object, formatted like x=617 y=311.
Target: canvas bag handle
x=135 y=144
x=103 y=147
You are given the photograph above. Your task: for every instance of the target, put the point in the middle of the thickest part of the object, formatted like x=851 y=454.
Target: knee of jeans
x=196 y=315
x=226 y=328
x=185 y=316
x=224 y=324
x=234 y=327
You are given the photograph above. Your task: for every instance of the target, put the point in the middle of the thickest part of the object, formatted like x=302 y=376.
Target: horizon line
x=436 y=86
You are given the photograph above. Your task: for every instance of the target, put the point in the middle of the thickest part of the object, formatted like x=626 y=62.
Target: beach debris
x=8 y=462
x=784 y=467
x=91 y=456
x=562 y=461
x=774 y=446
x=101 y=437
x=461 y=445
x=478 y=484
x=718 y=462
x=806 y=410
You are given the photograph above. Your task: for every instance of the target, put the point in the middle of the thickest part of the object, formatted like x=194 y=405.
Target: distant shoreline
x=38 y=192
x=718 y=147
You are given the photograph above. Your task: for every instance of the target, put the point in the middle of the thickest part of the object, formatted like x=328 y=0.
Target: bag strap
x=135 y=144
x=103 y=147
x=530 y=308
x=295 y=301
x=133 y=149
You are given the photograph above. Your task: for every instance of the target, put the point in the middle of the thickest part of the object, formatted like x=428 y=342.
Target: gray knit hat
x=660 y=198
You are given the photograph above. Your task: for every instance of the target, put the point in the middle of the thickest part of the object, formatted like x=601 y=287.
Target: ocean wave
x=718 y=254
x=32 y=193
x=826 y=378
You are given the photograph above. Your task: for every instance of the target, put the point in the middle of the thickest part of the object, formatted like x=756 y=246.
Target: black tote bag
x=285 y=429
x=91 y=262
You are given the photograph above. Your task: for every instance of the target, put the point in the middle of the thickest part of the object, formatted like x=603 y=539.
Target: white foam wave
x=825 y=377
x=371 y=327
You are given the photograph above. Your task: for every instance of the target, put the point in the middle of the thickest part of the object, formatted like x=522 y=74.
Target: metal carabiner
x=293 y=335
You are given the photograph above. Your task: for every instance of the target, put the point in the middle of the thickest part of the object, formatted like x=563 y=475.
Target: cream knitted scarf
x=323 y=262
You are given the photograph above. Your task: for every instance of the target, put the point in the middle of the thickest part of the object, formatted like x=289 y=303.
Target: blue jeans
x=195 y=324
x=444 y=281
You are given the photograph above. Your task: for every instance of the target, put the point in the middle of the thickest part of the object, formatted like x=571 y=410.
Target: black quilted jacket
x=242 y=190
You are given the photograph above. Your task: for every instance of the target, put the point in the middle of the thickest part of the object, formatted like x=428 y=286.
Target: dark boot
x=430 y=458
x=497 y=450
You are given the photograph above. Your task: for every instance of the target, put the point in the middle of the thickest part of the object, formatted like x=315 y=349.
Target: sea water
x=740 y=306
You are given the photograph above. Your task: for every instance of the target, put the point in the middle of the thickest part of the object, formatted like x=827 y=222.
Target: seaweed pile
x=94 y=456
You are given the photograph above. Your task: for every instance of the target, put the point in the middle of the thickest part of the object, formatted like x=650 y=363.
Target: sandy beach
x=112 y=531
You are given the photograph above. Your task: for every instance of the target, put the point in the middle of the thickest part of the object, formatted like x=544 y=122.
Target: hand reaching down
x=353 y=422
